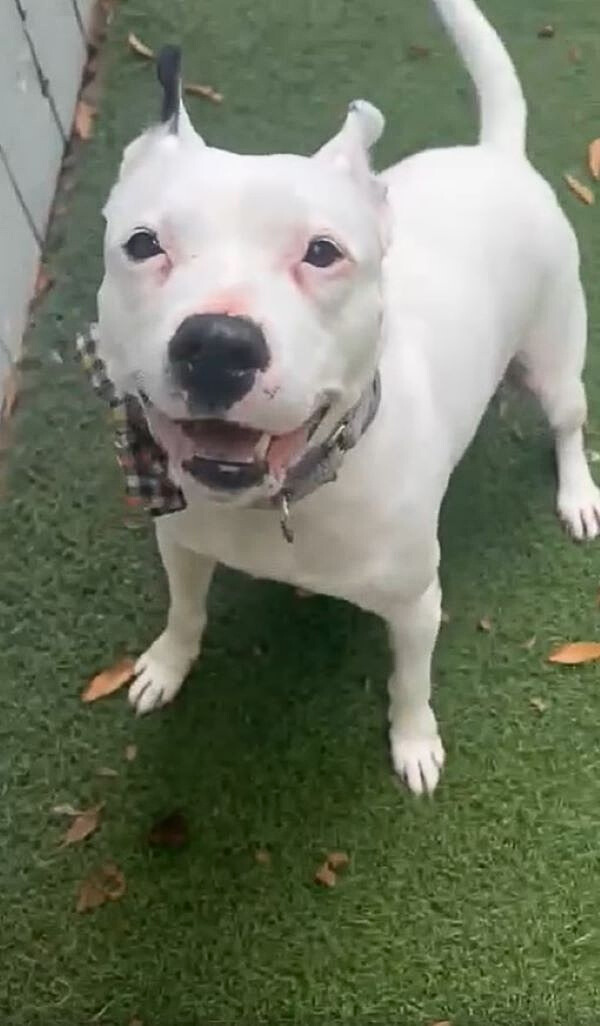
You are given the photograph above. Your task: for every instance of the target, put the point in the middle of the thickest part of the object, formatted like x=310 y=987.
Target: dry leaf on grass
x=538 y=704
x=106 y=771
x=547 y=32
x=576 y=652
x=582 y=192
x=485 y=625
x=442 y=1022
x=109 y=681
x=139 y=48
x=194 y=89
x=528 y=645
x=84 y=120
x=263 y=857
x=84 y=824
x=594 y=158
x=338 y=860
x=11 y=395
x=416 y=52
x=325 y=876
x=43 y=284
x=102 y=885
x=170 y=832
x=131 y=753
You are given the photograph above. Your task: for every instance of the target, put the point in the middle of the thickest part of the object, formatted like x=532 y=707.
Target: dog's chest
x=362 y=555
x=322 y=556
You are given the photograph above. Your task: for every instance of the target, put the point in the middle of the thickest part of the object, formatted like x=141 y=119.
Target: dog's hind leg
x=553 y=358
x=162 y=669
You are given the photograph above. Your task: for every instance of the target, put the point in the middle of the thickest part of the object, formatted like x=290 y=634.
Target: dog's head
x=242 y=294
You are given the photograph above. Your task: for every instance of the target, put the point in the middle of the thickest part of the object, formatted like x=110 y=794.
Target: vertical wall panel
x=29 y=135
x=43 y=52
x=19 y=257
x=56 y=36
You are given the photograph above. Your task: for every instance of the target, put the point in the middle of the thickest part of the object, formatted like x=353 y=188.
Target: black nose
x=214 y=358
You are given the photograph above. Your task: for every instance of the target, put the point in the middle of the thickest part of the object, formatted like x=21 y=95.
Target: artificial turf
x=482 y=906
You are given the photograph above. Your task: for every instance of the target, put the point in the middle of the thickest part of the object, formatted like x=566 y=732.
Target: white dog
x=314 y=346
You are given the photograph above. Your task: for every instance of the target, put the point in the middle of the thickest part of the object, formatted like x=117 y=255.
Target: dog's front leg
x=417 y=751
x=162 y=669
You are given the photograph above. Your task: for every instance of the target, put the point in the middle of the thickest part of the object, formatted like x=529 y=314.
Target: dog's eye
x=142 y=245
x=322 y=252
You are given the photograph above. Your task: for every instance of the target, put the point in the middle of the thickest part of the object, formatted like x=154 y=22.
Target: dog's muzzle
x=225 y=457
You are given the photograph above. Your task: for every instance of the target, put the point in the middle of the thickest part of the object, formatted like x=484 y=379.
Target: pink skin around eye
x=308 y=277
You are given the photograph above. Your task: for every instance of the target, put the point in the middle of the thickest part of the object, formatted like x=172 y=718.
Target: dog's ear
x=173 y=114
x=349 y=149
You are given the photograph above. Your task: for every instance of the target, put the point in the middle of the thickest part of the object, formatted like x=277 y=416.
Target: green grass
x=482 y=906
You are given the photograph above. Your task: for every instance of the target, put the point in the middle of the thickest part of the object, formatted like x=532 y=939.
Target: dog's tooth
x=262 y=446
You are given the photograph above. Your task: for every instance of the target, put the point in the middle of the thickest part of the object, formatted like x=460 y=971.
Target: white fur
x=467 y=264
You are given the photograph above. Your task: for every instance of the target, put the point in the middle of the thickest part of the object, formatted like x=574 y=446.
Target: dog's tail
x=502 y=108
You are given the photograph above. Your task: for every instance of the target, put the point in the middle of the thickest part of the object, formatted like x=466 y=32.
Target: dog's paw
x=418 y=756
x=160 y=672
x=579 y=510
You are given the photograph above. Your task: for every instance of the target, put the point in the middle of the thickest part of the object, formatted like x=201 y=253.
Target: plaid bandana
x=145 y=464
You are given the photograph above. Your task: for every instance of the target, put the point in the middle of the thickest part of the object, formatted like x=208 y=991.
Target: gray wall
x=42 y=53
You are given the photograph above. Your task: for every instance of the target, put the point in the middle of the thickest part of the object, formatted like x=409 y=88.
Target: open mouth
x=226 y=456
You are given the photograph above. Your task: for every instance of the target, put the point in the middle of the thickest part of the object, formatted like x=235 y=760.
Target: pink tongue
x=218 y=440
x=284 y=448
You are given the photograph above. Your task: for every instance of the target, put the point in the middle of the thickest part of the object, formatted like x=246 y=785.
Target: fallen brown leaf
x=539 y=704
x=582 y=192
x=485 y=624
x=90 y=895
x=169 y=832
x=547 y=32
x=43 y=284
x=528 y=645
x=106 y=771
x=84 y=824
x=416 y=52
x=131 y=753
x=140 y=48
x=594 y=158
x=325 y=876
x=263 y=857
x=109 y=681
x=194 y=89
x=442 y=1022
x=11 y=395
x=576 y=652
x=102 y=885
x=338 y=860
x=84 y=120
